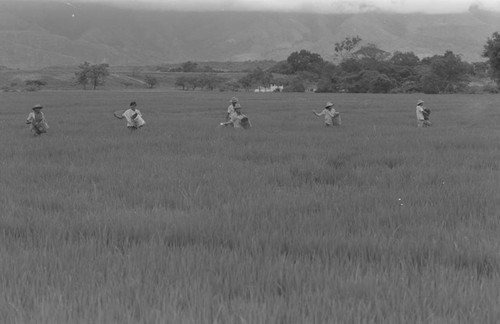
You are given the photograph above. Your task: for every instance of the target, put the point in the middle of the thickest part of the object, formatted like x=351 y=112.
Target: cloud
x=326 y=6
x=314 y=6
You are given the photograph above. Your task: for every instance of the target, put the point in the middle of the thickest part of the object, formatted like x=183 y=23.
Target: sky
x=314 y=6
x=322 y=6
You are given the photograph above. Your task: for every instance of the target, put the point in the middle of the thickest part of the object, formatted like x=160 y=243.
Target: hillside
x=39 y=34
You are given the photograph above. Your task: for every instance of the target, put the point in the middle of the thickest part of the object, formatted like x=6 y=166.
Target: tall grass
x=376 y=221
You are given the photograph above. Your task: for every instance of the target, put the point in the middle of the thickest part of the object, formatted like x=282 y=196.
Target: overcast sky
x=315 y=6
x=323 y=6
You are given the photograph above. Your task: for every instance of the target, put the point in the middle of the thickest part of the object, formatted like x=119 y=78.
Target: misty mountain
x=35 y=35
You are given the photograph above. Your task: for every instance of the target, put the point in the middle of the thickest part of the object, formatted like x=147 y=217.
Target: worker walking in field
x=236 y=118
x=36 y=120
x=332 y=117
x=132 y=115
x=423 y=114
x=231 y=109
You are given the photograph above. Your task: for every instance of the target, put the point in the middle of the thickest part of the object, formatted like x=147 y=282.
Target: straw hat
x=234 y=99
x=37 y=106
x=328 y=104
x=419 y=102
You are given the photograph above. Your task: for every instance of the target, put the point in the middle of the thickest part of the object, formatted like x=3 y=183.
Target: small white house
x=271 y=88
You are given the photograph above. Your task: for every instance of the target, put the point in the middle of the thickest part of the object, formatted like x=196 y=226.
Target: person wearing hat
x=36 y=120
x=332 y=117
x=237 y=119
x=231 y=109
x=133 y=117
x=422 y=114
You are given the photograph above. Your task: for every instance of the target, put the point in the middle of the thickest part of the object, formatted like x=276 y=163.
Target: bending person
x=332 y=117
x=133 y=117
x=36 y=120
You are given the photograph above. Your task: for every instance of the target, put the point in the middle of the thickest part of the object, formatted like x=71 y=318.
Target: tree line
x=357 y=68
x=369 y=69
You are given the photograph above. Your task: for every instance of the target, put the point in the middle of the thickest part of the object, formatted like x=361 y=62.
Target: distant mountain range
x=36 y=35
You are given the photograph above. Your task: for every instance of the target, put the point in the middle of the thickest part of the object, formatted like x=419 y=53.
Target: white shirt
x=420 y=112
x=37 y=119
x=138 y=121
x=329 y=114
x=230 y=109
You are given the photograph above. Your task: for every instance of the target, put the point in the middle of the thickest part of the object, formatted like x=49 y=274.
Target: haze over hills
x=36 y=35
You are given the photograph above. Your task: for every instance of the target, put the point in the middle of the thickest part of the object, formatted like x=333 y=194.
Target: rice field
x=376 y=221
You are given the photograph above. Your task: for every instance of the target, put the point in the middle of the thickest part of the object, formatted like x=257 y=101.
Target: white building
x=271 y=88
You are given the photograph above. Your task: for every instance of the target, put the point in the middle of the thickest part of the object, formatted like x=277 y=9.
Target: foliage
x=246 y=81
x=94 y=74
x=209 y=81
x=491 y=51
x=231 y=85
x=405 y=59
x=345 y=48
x=449 y=74
x=369 y=81
x=481 y=69
x=189 y=66
x=34 y=85
x=295 y=85
x=282 y=67
x=351 y=65
x=257 y=77
x=150 y=81
x=431 y=83
x=305 y=61
x=371 y=53
x=81 y=76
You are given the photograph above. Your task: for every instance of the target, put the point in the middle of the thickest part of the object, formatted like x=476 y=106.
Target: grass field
x=376 y=221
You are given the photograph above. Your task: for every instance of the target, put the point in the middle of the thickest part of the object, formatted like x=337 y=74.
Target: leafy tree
x=404 y=59
x=34 y=85
x=295 y=85
x=329 y=79
x=97 y=74
x=451 y=71
x=371 y=53
x=282 y=67
x=232 y=85
x=305 y=61
x=189 y=66
x=210 y=81
x=246 y=81
x=257 y=77
x=151 y=81
x=82 y=74
x=491 y=51
x=193 y=82
x=369 y=81
x=345 y=48
x=481 y=69
x=262 y=77
x=431 y=83
x=351 y=65
x=181 y=82
x=94 y=74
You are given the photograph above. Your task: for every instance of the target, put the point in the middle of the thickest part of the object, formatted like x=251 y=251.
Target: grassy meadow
x=376 y=221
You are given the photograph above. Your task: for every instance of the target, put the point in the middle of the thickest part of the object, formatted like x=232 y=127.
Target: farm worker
x=422 y=114
x=332 y=117
x=231 y=109
x=237 y=119
x=36 y=119
x=133 y=116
